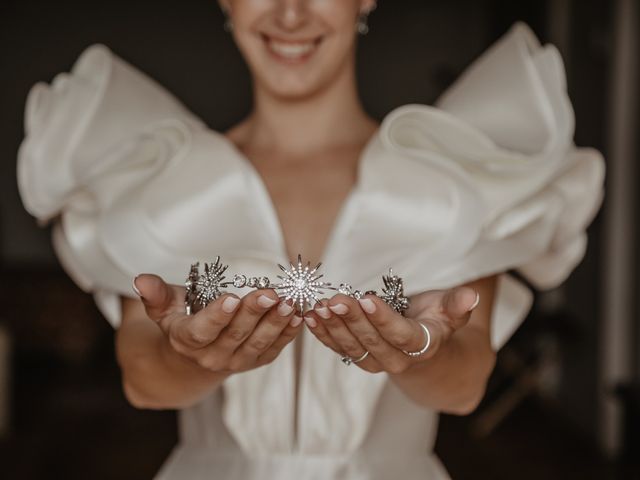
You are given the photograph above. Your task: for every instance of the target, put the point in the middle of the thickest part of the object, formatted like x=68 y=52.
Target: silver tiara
x=300 y=282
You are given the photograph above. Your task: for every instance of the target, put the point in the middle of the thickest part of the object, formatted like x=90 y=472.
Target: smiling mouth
x=291 y=51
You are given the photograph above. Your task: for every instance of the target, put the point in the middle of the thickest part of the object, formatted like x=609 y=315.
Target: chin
x=294 y=89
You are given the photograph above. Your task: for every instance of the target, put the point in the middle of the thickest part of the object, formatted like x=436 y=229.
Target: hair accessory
x=300 y=283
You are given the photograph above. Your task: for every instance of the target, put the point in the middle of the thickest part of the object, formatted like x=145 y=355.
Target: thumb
x=457 y=304
x=158 y=296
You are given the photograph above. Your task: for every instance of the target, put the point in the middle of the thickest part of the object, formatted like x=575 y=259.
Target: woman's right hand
x=230 y=334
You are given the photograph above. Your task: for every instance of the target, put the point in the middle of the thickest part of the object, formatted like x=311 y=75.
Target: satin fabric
x=486 y=181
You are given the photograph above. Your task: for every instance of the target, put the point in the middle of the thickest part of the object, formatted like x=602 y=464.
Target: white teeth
x=291 y=50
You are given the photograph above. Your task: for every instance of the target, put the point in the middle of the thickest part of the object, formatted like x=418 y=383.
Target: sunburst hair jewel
x=300 y=283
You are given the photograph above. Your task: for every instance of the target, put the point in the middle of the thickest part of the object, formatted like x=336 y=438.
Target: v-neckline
x=343 y=220
x=265 y=202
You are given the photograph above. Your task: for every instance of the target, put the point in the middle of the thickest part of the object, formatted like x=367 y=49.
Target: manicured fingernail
x=229 y=304
x=311 y=322
x=339 y=308
x=265 y=301
x=284 y=309
x=367 y=305
x=475 y=304
x=323 y=312
x=295 y=321
x=135 y=289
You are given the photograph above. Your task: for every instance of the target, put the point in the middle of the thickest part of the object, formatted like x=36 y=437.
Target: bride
x=452 y=197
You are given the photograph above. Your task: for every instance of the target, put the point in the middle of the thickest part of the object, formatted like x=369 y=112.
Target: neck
x=332 y=116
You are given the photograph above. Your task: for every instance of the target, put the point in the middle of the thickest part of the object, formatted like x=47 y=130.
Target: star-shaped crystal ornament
x=301 y=284
x=191 y=285
x=393 y=292
x=205 y=288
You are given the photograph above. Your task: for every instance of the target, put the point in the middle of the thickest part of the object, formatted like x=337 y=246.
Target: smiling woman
x=296 y=49
x=452 y=197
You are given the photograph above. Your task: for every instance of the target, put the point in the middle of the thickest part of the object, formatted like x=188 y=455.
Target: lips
x=291 y=51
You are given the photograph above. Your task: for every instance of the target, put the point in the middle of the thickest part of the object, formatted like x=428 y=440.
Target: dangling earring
x=228 y=23
x=362 y=26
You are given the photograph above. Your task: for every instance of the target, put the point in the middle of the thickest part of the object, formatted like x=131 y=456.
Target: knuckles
x=210 y=362
x=179 y=346
x=383 y=321
x=371 y=340
x=332 y=322
x=196 y=339
x=252 y=308
x=351 y=316
x=258 y=344
x=215 y=317
x=403 y=341
x=351 y=347
x=237 y=334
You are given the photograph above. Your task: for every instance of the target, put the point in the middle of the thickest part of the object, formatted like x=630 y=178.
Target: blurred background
x=564 y=401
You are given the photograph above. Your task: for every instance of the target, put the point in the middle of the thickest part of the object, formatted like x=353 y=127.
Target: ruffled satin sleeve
x=93 y=136
x=487 y=181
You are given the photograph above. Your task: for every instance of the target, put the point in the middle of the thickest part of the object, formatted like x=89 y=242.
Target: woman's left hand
x=352 y=327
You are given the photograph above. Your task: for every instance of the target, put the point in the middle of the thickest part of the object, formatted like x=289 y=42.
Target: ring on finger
x=426 y=343
x=347 y=360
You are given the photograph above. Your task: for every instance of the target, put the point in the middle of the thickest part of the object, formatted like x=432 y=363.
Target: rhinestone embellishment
x=300 y=282
x=393 y=292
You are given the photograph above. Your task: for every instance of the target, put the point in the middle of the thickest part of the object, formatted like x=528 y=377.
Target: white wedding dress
x=486 y=181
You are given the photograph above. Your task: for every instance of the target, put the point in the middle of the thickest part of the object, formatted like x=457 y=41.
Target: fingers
x=199 y=330
x=229 y=334
x=318 y=328
x=333 y=330
x=233 y=335
x=266 y=332
x=158 y=297
x=388 y=356
x=286 y=336
x=399 y=332
x=452 y=306
x=457 y=304
x=251 y=309
x=346 y=343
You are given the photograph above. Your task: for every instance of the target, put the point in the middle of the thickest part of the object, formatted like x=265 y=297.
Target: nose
x=292 y=14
